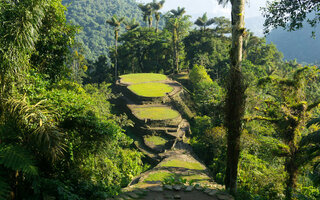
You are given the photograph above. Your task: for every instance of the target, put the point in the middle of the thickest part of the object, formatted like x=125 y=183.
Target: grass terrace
x=155 y=113
x=158 y=176
x=156 y=140
x=183 y=164
x=142 y=78
x=151 y=89
x=162 y=175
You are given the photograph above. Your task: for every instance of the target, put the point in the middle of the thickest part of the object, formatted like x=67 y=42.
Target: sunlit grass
x=156 y=140
x=155 y=113
x=158 y=176
x=142 y=77
x=196 y=178
x=184 y=164
x=151 y=89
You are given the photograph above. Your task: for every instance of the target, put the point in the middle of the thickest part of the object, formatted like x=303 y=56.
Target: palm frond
x=115 y=21
x=210 y=22
x=4 y=188
x=307 y=154
x=199 y=22
x=131 y=25
x=178 y=13
x=223 y=2
x=312 y=138
x=313 y=121
x=17 y=158
x=19 y=31
x=37 y=126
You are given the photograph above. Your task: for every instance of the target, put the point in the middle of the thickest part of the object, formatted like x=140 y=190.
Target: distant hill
x=92 y=15
x=297 y=44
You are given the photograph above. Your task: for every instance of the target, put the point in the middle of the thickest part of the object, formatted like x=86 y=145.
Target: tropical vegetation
x=255 y=115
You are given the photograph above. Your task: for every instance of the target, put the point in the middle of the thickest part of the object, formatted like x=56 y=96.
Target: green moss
x=164 y=176
x=196 y=178
x=158 y=176
x=156 y=140
x=150 y=89
x=142 y=77
x=155 y=113
x=184 y=164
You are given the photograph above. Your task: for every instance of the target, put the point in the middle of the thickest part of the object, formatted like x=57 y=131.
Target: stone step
x=150 y=155
x=159 y=148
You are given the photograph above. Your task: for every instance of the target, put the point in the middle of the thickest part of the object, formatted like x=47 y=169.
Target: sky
x=196 y=8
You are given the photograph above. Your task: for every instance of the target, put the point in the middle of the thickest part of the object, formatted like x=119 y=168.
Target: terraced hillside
x=161 y=132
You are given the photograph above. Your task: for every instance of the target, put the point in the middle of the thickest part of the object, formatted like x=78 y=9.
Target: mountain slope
x=91 y=15
x=297 y=44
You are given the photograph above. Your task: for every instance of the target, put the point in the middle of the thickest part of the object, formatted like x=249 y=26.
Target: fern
x=17 y=159
x=38 y=122
x=4 y=188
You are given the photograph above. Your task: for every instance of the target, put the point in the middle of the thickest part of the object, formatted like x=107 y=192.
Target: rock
x=143 y=190
x=177 y=196
x=123 y=197
x=139 y=192
x=198 y=187
x=189 y=188
x=168 y=196
x=207 y=190
x=213 y=192
x=225 y=197
x=168 y=187
x=156 y=189
x=133 y=195
x=158 y=198
x=177 y=187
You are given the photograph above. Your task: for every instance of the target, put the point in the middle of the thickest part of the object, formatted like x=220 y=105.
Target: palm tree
x=235 y=98
x=156 y=7
x=176 y=16
x=203 y=22
x=131 y=25
x=116 y=23
x=178 y=13
x=147 y=13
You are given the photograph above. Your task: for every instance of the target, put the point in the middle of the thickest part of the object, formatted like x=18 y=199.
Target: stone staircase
x=178 y=173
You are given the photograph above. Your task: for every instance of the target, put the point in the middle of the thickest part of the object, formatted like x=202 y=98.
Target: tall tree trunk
x=116 y=56
x=175 y=49
x=157 y=26
x=292 y=172
x=150 y=21
x=235 y=99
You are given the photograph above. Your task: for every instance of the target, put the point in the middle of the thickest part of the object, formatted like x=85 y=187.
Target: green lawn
x=142 y=77
x=197 y=178
x=158 y=176
x=156 y=140
x=150 y=89
x=184 y=164
x=162 y=175
x=155 y=113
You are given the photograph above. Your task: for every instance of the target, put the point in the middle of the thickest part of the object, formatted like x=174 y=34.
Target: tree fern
x=37 y=126
x=4 y=188
x=17 y=159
